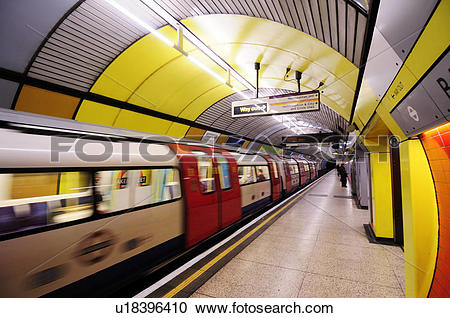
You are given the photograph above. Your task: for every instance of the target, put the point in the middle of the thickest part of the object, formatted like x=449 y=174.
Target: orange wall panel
x=436 y=143
x=222 y=139
x=195 y=133
x=41 y=101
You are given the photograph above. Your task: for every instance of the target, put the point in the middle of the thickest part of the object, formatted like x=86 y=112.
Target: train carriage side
x=84 y=220
x=254 y=180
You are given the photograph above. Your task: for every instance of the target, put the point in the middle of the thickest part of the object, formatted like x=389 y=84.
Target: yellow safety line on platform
x=194 y=276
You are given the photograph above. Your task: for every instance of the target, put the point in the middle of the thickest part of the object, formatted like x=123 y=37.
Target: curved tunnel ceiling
x=153 y=75
x=56 y=55
x=97 y=48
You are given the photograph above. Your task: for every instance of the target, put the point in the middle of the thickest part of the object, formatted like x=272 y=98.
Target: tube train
x=68 y=222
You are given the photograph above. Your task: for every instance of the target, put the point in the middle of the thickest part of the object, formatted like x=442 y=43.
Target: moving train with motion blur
x=84 y=206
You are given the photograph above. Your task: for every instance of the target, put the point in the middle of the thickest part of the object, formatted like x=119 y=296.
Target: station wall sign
x=311 y=139
x=427 y=105
x=277 y=105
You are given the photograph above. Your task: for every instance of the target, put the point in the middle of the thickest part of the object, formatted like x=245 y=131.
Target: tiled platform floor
x=316 y=249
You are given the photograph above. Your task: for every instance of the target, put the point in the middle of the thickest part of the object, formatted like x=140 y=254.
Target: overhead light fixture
x=205 y=68
x=239 y=92
x=191 y=37
x=141 y=23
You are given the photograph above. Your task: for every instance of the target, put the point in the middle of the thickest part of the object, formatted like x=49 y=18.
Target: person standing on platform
x=343 y=175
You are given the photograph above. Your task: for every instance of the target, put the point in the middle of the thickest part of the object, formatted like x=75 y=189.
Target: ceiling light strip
x=191 y=37
x=140 y=22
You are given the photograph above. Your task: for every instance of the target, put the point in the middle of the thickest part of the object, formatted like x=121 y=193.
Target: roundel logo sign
x=95 y=247
x=413 y=113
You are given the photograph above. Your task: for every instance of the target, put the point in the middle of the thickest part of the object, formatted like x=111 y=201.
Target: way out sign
x=249 y=107
x=277 y=105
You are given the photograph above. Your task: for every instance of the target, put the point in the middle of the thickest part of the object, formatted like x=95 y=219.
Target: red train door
x=288 y=176
x=274 y=177
x=311 y=170
x=301 y=167
x=228 y=189
x=304 y=179
x=200 y=192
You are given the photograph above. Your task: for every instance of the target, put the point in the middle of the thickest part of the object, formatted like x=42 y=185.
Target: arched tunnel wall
x=436 y=143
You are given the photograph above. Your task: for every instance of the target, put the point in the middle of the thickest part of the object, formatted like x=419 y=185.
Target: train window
x=205 y=172
x=156 y=185
x=30 y=200
x=112 y=190
x=262 y=173
x=275 y=169
x=293 y=168
x=224 y=171
x=247 y=174
x=118 y=190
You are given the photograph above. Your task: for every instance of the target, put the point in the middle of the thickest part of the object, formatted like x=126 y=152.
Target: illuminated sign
x=315 y=138
x=294 y=103
x=249 y=107
x=277 y=105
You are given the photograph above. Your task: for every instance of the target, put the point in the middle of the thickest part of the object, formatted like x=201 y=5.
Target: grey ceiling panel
x=294 y=14
x=351 y=21
x=93 y=11
x=317 y=21
x=402 y=30
x=287 y=13
x=246 y=7
x=267 y=13
x=360 y=32
x=309 y=18
x=332 y=11
x=324 y=15
x=280 y=12
x=342 y=23
x=193 y=9
x=417 y=112
x=257 y=9
x=177 y=10
x=24 y=25
x=229 y=6
x=437 y=82
x=302 y=15
x=240 y=8
x=212 y=5
x=87 y=41
x=8 y=90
